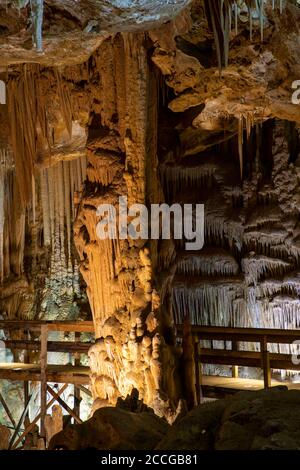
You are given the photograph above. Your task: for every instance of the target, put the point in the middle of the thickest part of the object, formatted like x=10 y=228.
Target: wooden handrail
x=53 y=346
x=44 y=346
x=36 y=325
x=253 y=335
x=234 y=357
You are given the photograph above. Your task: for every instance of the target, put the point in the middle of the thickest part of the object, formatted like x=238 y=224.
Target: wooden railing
x=234 y=357
x=26 y=372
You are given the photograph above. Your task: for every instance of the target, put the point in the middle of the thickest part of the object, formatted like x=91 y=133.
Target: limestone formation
x=113 y=429
x=262 y=420
x=265 y=420
x=54 y=423
x=157 y=102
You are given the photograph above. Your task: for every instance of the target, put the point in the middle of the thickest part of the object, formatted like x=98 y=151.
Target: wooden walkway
x=78 y=376
x=220 y=387
x=55 y=373
x=234 y=357
x=43 y=372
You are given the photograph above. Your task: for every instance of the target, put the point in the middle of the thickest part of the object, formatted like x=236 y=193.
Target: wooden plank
x=197 y=370
x=53 y=346
x=64 y=368
x=85 y=390
x=64 y=405
x=265 y=362
x=247 y=358
x=54 y=377
x=7 y=410
x=26 y=384
x=33 y=325
x=255 y=335
x=243 y=384
x=22 y=376
x=77 y=397
x=25 y=411
x=37 y=418
x=82 y=327
x=43 y=363
x=235 y=368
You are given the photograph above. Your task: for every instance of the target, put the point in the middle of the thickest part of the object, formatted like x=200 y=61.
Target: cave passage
x=149 y=224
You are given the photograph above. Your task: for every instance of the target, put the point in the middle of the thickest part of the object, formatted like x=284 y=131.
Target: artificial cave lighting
x=149 y=226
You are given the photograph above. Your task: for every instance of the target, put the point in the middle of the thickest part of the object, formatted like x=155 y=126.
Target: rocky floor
x=267 y=419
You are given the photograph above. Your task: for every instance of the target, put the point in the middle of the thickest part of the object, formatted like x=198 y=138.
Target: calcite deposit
x=175 y=102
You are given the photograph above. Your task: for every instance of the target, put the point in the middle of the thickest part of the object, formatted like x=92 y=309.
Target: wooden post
x=64 y=405
x=77 y=398
x=235 y=369
x=197 y=370
x=265 y=362
x=188 y=361
x=7 y=410
x=43 y=361
x=85 y=390
x=199 y=367
x=36 y=419
x=26 y=383
x=20 y=422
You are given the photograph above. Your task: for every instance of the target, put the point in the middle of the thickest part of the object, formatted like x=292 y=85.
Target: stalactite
x=51 y=189
x=24 y=112
x=216 y=263
x=65 y=101
x=219 y=17
x=5 y=210
x=61 y=210
x=45 y=207
x=175 y=178
x=28 y=120
x=58 y=184
x=207 y=304
x=67 y=205
x=259 y=266
x=37 y=11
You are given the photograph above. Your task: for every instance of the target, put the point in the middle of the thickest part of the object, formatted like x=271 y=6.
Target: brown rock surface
x=264 y=420
x=113 y=429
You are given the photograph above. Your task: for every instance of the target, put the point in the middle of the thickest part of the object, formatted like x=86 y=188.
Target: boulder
x=266 y=419
x=111 y=429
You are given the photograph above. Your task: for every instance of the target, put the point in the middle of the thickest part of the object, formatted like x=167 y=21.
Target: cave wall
x=150 y=116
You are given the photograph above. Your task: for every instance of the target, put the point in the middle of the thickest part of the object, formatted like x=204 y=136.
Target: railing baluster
x=43 y=360
x=197 y=368
x=235 y=369
x=265 y=362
